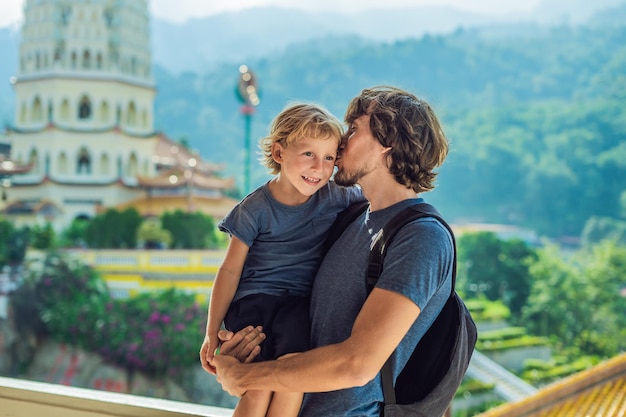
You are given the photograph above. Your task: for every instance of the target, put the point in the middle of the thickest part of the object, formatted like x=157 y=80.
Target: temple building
x=84 y=120
x=8 y=168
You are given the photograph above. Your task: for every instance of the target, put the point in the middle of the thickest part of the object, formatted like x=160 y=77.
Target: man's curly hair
x=401 y=121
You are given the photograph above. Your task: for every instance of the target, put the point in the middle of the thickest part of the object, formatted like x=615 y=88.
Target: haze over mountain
x=200 y=44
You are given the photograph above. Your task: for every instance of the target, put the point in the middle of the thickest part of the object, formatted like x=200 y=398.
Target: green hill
x=536 y=119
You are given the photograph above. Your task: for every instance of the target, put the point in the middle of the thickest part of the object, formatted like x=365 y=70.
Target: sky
x=180 y=10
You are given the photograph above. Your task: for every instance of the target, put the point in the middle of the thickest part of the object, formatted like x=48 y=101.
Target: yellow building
x=84 y=120
x=128 y=273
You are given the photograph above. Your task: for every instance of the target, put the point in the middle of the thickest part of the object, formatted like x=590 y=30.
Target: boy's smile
x=306 y=165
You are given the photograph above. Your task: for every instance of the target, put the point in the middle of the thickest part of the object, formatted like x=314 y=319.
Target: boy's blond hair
x=297 y=121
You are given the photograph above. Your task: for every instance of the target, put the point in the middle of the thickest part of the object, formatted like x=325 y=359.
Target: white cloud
x=10 y=12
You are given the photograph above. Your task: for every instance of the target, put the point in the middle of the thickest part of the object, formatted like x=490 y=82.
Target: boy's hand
x=209 y=345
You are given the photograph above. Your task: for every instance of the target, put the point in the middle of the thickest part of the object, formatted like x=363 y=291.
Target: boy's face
x=307 y=164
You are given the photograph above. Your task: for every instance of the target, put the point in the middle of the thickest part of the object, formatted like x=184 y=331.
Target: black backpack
x=427 y=384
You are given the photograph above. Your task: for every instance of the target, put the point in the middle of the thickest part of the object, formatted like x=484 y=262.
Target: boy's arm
x=224 y=288
x=383 y=321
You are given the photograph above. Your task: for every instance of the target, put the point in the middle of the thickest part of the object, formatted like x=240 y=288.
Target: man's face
x=356 y=153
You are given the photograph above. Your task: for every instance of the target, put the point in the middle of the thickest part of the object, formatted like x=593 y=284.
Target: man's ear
x=385 y=155
x=277 y=152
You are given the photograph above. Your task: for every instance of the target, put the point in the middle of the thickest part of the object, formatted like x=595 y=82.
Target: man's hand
x=229 y=371
x=243 y=345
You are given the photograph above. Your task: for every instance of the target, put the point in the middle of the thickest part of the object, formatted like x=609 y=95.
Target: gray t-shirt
x=418 y=264
x=286 y=242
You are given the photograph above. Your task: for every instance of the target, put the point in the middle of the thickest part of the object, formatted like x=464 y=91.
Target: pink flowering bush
x=157 y=333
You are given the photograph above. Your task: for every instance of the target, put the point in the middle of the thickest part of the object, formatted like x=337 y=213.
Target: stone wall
x=23 y=356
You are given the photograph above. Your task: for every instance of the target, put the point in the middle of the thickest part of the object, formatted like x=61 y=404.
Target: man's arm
x=383 y=321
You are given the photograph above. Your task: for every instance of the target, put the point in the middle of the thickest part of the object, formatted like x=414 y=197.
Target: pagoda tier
x=177 y=177
x=9 y=167
x=78 y=129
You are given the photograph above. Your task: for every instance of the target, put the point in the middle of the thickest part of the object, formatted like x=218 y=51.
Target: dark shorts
x=285 y=320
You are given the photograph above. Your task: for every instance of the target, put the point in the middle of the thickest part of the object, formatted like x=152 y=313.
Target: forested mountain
x=536 y=114
x=537 y=121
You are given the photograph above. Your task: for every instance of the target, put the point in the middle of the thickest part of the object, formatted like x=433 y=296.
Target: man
x=391 y=149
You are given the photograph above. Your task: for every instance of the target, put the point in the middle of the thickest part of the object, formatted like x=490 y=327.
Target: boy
x=277 y=243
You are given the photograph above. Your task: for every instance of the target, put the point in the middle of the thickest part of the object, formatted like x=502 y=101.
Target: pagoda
x=84 y=119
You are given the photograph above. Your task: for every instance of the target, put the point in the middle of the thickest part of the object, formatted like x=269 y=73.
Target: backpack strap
x=375 y=268
x=388 y=232
x=342 y=221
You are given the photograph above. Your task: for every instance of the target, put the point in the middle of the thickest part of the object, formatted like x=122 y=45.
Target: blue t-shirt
x=286 y=242
x=418 y=264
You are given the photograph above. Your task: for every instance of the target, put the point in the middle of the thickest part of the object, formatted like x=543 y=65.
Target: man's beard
x=346 y=178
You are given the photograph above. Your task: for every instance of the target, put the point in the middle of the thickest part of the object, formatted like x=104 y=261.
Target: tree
x=598 y=229
x=578 y=298
x=496 y=268
x=6 y=230
x=42 y=237
x=114 y=229
x=74 y=235
x=151 y=235
x=16 y=245
x=190 y=230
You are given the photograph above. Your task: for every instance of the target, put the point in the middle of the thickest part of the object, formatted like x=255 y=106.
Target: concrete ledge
x=22 y=398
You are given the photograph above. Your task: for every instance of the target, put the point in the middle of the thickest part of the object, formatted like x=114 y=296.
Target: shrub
x=552 y=372
x=471 y=386
x=503 y=334
x=155 y=333
x=525 y=341
x=486 y=310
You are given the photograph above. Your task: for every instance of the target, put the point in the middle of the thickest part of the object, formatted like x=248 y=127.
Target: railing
x=128 y=272
x=159 y=261
x=21 y=398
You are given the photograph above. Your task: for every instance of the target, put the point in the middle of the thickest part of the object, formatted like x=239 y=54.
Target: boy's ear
x=277 y=152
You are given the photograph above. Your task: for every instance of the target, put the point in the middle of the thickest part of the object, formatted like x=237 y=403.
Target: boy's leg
x=291 y=332
x=254 y=310
x=285 y=404
x=253 y=404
